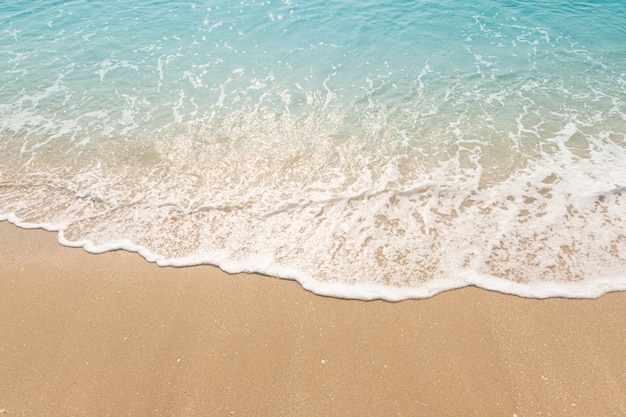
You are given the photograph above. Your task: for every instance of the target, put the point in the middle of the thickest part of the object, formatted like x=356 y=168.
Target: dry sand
x=111 y=334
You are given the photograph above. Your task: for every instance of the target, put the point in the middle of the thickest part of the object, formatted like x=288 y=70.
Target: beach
x=313 y=208
x=111 y=334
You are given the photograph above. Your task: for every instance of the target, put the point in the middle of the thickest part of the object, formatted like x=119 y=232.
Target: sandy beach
x=112 y=335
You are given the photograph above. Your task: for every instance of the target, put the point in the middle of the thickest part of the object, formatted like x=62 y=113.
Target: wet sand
x=111 y=334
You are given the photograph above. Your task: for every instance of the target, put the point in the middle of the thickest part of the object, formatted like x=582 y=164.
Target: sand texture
x=113 y=335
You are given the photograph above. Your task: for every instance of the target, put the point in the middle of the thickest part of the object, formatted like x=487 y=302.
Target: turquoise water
x=366 y=150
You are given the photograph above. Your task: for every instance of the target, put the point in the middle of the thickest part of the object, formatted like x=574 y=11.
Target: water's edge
x=369 y=292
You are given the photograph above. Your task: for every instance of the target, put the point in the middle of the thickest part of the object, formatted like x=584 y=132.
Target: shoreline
x=112 y=334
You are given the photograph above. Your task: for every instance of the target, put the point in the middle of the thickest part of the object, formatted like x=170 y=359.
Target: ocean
x=368 y=150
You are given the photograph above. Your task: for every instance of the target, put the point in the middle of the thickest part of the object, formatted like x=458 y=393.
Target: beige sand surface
x=111 y=334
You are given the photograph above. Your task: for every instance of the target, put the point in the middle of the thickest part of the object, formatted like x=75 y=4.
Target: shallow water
x=367 y=150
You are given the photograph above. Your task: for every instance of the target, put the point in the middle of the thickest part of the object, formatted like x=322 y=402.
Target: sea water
x=366 y=149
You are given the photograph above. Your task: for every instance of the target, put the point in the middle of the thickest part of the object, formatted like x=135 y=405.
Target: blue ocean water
x=368 y=150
